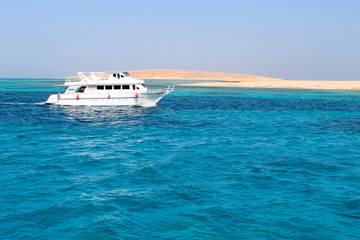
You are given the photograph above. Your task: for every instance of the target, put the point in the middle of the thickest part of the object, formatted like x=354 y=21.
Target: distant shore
x=219 y=79
x=180 y=74
x=242 y=80
x=293 y=84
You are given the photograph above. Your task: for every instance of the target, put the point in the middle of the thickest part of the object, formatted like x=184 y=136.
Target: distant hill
x=197 y=75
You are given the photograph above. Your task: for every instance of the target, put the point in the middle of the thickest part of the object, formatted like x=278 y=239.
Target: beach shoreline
x=284 y=84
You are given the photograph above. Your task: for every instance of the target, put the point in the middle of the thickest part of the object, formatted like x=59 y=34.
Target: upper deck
x=94 y=78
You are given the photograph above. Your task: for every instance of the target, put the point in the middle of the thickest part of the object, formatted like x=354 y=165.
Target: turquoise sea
x=207 y=163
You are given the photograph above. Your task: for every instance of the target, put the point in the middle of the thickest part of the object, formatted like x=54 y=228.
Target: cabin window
x=133 y=87
x=117 y=87
x=137 y=87
x=122 y=76
x=114 y=75
x=100 y=87
x=125 y=87
x=108 y=87
x=81 y=89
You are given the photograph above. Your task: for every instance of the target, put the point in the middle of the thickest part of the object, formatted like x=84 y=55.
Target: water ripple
x=205 y=164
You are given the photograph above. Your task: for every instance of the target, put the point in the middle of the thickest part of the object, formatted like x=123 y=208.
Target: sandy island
x=240 y=80
x=196 y=75
x=296 y=84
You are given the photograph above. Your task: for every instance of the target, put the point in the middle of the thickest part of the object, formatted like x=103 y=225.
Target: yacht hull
x=148 y=99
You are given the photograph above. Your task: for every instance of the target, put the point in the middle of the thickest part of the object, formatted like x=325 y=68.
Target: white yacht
x=107 y=89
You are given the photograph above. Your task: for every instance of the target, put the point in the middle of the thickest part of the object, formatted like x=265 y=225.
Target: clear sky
x=290 y=39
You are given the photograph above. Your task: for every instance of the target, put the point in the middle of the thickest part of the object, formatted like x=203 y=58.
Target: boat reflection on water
x=111 y=115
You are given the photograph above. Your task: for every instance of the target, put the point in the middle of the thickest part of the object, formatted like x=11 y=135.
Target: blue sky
x=290 y=39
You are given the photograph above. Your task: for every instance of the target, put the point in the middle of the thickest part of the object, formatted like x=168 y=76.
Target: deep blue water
x=207 y=163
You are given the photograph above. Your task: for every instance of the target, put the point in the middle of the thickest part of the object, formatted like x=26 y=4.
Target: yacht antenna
x=117 y=65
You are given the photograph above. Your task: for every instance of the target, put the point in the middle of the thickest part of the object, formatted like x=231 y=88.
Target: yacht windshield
x=65 y=89
x=126 y=74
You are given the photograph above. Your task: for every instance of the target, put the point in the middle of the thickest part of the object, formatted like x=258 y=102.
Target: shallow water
x=207 y=163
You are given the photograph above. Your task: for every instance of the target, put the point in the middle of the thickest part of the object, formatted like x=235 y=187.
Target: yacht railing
x=170 y=88
x=72 y=80
x=93 y=75
x=88 y=76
